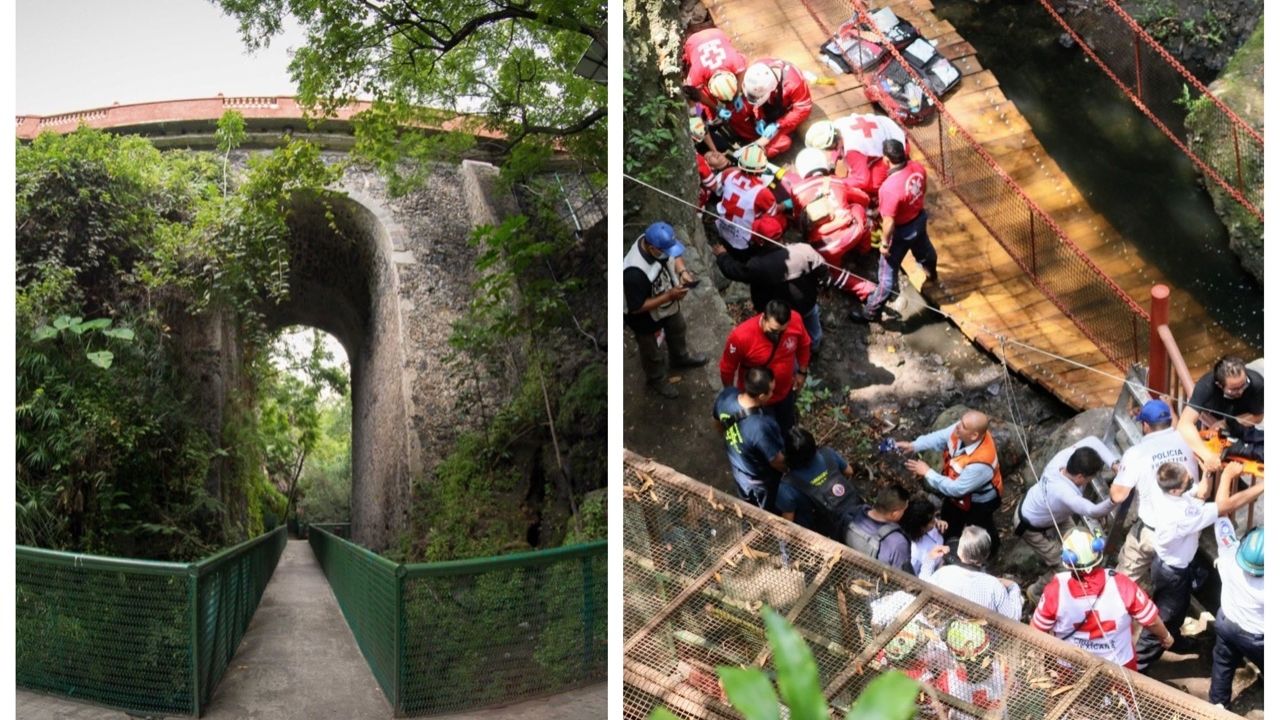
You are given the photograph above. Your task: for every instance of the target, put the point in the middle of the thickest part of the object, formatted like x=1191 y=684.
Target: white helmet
x=697 y=128
x=758 y=83
x=811 y=160
x=821 y=135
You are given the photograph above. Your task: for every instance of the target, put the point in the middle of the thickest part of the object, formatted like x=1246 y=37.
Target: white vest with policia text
x=660 y=279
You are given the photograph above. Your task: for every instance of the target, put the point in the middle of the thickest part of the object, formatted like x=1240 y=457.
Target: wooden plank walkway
x=981 y=286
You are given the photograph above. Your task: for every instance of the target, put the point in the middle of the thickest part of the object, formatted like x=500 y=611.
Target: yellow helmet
x=904 y=643
x=752 y=159
x=1082 y=550
x=697 y=128
x=723 y=86
x=967 y=640
x=821 y=135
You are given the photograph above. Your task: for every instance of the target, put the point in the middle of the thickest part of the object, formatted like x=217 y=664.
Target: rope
x=982 y=329
x=1213 y=174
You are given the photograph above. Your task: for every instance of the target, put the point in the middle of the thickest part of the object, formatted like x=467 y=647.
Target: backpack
x=896 y=91
x=868 y=543
x=851 y=48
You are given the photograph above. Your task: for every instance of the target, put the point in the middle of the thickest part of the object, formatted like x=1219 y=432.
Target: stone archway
x=343 y=281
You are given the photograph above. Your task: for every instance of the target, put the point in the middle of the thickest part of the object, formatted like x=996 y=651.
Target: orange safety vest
x=984 y=454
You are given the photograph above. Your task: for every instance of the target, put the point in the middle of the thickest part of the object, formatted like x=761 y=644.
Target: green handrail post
x=588 y=612
x=402 y=663
x=193 y=599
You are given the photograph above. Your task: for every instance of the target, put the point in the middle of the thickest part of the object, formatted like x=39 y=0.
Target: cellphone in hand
x=692 y=284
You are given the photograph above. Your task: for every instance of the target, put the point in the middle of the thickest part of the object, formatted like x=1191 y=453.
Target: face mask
x=774 y=335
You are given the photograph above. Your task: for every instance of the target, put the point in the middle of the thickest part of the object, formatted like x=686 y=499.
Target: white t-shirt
x=1139 y=464
x=1241 y=592
x=1179 y=520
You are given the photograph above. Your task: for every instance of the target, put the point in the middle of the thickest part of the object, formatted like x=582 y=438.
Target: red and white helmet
x=758 y=83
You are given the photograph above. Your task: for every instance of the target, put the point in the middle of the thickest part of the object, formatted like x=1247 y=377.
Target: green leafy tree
x=117 y=242
x=497 y=69
x=890 y=696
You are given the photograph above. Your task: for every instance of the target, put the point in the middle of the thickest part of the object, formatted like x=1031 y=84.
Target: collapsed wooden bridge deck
x=987 y=292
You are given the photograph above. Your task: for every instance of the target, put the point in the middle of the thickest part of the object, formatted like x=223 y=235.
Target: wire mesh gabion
x=699 y=565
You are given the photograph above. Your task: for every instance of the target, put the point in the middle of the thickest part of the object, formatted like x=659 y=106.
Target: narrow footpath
x=299 y=661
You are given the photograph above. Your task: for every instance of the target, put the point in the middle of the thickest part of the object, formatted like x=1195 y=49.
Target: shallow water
x=1126 y=168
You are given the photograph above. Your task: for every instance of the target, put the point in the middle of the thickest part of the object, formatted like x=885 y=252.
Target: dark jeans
x=762 y=493
x=813 y=325
x=1232 y=646
x=784 y=411
x=651 y=356
x=913 y=236
x=981 y=514
x=1171 y=592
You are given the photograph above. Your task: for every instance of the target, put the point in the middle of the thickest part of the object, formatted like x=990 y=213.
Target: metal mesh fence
x=445 y=637
x=1066 y=275
x=699 y=565
x=1163 y=89
x=146 y=637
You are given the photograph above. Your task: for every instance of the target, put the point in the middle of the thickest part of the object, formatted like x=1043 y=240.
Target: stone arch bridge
x=386 y=278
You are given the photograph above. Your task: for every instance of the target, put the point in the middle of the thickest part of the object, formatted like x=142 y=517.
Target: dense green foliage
x=116 y=243
x=498 y=75
x=890 y=696
x=497 y=69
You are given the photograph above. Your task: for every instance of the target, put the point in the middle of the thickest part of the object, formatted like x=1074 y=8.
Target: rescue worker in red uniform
x=707 y=52
x=970 y=480
x=833 y=212
x=776 y=339
x=903 y=228
x=858 y=140
x=776 y=103
x=1092 y=607
x=747 y=206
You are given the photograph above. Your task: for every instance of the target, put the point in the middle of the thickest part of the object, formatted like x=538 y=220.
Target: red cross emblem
x=1095 y=626
x=866 y=126
x=730 y=210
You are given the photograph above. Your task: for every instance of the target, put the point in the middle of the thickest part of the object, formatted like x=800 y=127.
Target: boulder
x=1089 y=422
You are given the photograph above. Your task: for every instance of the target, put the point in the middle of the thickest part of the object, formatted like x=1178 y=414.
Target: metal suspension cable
x=938 y=311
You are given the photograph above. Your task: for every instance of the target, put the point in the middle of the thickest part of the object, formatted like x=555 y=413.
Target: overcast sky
x=81 y=54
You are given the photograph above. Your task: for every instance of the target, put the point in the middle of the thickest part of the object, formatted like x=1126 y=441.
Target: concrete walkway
x=299 y=661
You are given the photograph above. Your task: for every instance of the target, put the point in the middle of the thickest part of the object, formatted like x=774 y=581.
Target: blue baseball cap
x=663 y=237
x=1154 y=412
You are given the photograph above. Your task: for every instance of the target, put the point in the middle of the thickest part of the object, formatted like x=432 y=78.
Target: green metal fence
x=451 y=636
x=141 y=636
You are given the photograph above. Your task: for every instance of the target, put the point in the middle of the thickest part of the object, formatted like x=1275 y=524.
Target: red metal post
x=1158 y=358
x=942 y=153
x=1235 y=138
x=1033 y=243
x=1137 y=65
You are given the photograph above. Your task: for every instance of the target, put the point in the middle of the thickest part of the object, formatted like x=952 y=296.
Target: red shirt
x=788 y=106
x=747 y=347
x=902 y=194
x=706 y=52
